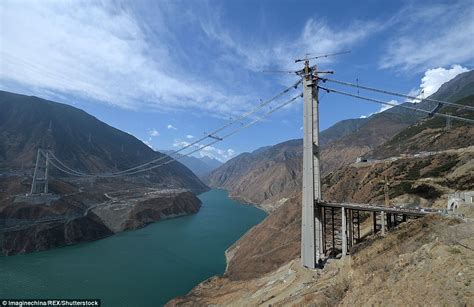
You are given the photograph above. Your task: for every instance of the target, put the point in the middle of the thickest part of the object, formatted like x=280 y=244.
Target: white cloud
x=189 y=136
x=210 y=151
x=430 y=83
x=178 y=143
x=431 y=36
x=171 y=127
x=102 y=51
x=434 y=78
x=153 y=132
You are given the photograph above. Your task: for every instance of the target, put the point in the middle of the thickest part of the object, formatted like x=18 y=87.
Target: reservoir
x=145 y=267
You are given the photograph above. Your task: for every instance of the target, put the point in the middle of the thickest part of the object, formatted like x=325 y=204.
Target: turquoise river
x=145 y=267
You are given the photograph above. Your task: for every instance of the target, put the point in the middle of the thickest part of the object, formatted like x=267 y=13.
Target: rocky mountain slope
x=268 y=176
x=417 y=180
x=263 y=266
x=86 y=216
x=263 y=176
x=432 y=134
x=78 y=139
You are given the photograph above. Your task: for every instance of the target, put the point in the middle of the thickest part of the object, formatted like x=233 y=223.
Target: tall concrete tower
x=312 y=245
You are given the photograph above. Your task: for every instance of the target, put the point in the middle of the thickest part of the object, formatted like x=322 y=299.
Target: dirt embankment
x=424 y=262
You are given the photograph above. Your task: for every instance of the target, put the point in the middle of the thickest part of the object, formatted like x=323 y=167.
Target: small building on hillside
x=362 y=159
x=460 y=198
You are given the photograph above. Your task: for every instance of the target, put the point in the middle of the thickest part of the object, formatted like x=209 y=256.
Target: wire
x=201 y=147
x=66 y=167
x=208 y=135
x=397 y=105
x=396 y=94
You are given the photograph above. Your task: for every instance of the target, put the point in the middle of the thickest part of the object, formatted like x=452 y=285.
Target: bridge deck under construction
x=378 y=208
x=341 y=222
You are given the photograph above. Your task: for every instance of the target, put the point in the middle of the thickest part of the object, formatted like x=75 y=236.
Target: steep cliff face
x=85 y=217
x=152 y=209
x=262 y=177
x=45 y=236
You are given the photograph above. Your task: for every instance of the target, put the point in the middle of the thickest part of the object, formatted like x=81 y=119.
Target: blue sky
x=169 y=71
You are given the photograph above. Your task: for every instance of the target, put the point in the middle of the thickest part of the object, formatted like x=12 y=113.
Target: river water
x=145 y=267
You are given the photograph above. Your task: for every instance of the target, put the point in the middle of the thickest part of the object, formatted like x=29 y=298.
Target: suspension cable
x=396 y=94
x=397 y=105
x=208 y=135
x=170 y=159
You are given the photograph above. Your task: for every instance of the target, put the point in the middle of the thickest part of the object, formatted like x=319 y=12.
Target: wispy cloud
x=171 y=127
x=316 y=38
x=153 y=132
x=102 y=51
x=189 y=136
x=418 y=46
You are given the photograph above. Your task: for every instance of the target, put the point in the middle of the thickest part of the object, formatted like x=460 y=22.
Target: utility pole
x=312 y=249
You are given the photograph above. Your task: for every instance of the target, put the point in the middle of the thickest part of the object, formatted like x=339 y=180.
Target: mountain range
x=78 y=139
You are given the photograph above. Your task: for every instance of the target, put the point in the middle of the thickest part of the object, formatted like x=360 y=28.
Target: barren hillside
x=263 y=255
x=425 y=262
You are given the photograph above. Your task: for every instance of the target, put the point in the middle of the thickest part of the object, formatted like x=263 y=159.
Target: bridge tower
x=40 y=175
x=312 y=244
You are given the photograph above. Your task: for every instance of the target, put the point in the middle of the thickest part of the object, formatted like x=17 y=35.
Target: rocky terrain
x=263 y=177
x=401 y=268
x=85 y=216
x=431 y=134
x=420 y=180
